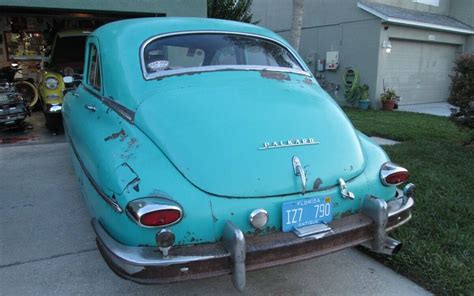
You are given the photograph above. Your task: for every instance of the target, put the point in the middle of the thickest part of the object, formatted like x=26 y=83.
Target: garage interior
x=25 y=32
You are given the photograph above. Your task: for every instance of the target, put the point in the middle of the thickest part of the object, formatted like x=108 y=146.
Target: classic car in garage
x=206 y=147
x=66 y=59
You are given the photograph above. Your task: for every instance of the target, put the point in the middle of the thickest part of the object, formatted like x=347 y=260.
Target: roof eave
x=412 y=23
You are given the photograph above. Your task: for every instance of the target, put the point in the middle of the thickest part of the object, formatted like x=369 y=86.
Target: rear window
x=179 y=53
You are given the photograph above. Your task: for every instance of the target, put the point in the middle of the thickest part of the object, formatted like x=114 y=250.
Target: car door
x=86 y=121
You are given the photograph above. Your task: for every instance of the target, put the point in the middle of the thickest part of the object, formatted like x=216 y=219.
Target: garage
x=419 y=71
x=43 y=41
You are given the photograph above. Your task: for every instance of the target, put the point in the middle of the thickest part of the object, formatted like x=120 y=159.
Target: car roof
x=120 y=42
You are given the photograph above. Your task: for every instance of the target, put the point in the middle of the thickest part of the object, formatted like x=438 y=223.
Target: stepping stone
x=383 y=141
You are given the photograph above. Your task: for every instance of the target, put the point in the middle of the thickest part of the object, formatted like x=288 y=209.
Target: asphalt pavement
x=47 y=245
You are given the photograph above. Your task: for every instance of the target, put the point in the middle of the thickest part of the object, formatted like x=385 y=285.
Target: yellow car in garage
x=66 y=59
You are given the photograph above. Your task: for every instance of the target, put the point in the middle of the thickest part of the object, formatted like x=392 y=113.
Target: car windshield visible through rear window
x=69 y=50
x=213 y=51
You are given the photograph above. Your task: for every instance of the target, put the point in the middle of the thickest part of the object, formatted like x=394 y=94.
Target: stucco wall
x=463 y=10
x=276 y=14
x=170 y=7
x=330 y=25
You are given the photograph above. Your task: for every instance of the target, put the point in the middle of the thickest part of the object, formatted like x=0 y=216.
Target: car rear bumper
x=236 y=254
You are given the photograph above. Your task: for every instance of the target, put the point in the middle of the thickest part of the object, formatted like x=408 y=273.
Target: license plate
x=305 y=212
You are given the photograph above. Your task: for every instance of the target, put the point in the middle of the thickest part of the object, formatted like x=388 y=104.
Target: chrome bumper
x=53 y=108
x=236 y=254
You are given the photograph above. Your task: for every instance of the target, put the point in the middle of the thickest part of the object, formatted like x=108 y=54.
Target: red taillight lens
x=397 y=178
x=392 y=174
x=160 y=217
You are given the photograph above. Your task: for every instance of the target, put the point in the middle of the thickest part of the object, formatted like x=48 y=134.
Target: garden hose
x=350 y=81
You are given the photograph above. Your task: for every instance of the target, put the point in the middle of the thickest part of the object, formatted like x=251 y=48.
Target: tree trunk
x=297 y=22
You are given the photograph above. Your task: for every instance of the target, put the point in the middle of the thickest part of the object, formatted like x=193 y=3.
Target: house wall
x=196 y=8
x=463 y=10
x=357 y=35
x=329 y=25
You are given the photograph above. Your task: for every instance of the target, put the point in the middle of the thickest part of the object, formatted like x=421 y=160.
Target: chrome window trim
x=118 y=108
x=121 y=110
x=137 y=208
x=148 y=76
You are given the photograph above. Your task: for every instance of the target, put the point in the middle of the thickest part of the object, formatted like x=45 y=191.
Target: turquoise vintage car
x=206 y=147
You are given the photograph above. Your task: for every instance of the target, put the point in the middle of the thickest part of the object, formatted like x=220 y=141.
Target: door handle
x=75 y=94
x=91 y=108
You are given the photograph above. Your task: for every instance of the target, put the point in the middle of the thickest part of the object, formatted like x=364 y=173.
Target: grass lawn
x=439 y=240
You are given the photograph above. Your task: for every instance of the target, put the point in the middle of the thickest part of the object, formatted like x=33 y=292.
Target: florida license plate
x=305 y=212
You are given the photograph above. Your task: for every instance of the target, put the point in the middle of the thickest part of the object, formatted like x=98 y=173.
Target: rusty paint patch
x=275 y=75
x=317 y=183
x=343 y=214
x=132 y=142
x=136 y=187
x=113 y=136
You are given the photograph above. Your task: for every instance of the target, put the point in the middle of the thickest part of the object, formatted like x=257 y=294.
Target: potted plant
x=364 y=97
x=389 y=98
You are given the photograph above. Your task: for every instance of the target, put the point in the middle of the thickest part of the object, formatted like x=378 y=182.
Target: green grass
x=439 y=240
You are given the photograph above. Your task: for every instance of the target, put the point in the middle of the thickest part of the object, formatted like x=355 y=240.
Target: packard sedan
x=206 y=147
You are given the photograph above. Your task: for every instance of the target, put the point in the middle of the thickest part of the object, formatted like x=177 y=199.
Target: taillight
x=154 y=212
x=161 y=217
x=393 y=174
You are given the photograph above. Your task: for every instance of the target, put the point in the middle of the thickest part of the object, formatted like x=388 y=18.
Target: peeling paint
x=113 y=136
x=343 y=214
x=317 y=183
x=136 y=187
x=275 y=75
x=308 y=81
x=132 y=142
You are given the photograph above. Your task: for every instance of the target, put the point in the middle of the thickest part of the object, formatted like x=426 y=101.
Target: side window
x=93 y=75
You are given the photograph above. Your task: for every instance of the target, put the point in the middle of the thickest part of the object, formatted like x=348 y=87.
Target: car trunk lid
x=234 y=133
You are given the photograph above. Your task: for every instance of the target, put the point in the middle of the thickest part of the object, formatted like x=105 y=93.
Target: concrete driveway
x=440 y=109
x=47 y=245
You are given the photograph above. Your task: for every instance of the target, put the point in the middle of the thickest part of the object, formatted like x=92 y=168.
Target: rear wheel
x=28 y=91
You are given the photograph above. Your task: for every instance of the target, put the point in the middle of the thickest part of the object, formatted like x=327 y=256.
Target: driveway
x=440 y=109
x=47 y=245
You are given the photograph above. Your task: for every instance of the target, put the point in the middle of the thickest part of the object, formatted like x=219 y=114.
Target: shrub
x=462 y=92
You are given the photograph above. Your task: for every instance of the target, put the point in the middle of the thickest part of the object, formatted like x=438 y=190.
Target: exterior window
x=93 y=76
x=176 y=53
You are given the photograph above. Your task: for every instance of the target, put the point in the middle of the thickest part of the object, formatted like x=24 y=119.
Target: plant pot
x=388 y=105
x=364 y=104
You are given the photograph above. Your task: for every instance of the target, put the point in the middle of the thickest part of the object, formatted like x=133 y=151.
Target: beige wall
x=463 y=10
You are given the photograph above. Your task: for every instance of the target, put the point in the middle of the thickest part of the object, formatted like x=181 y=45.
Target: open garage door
x=419 y=71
